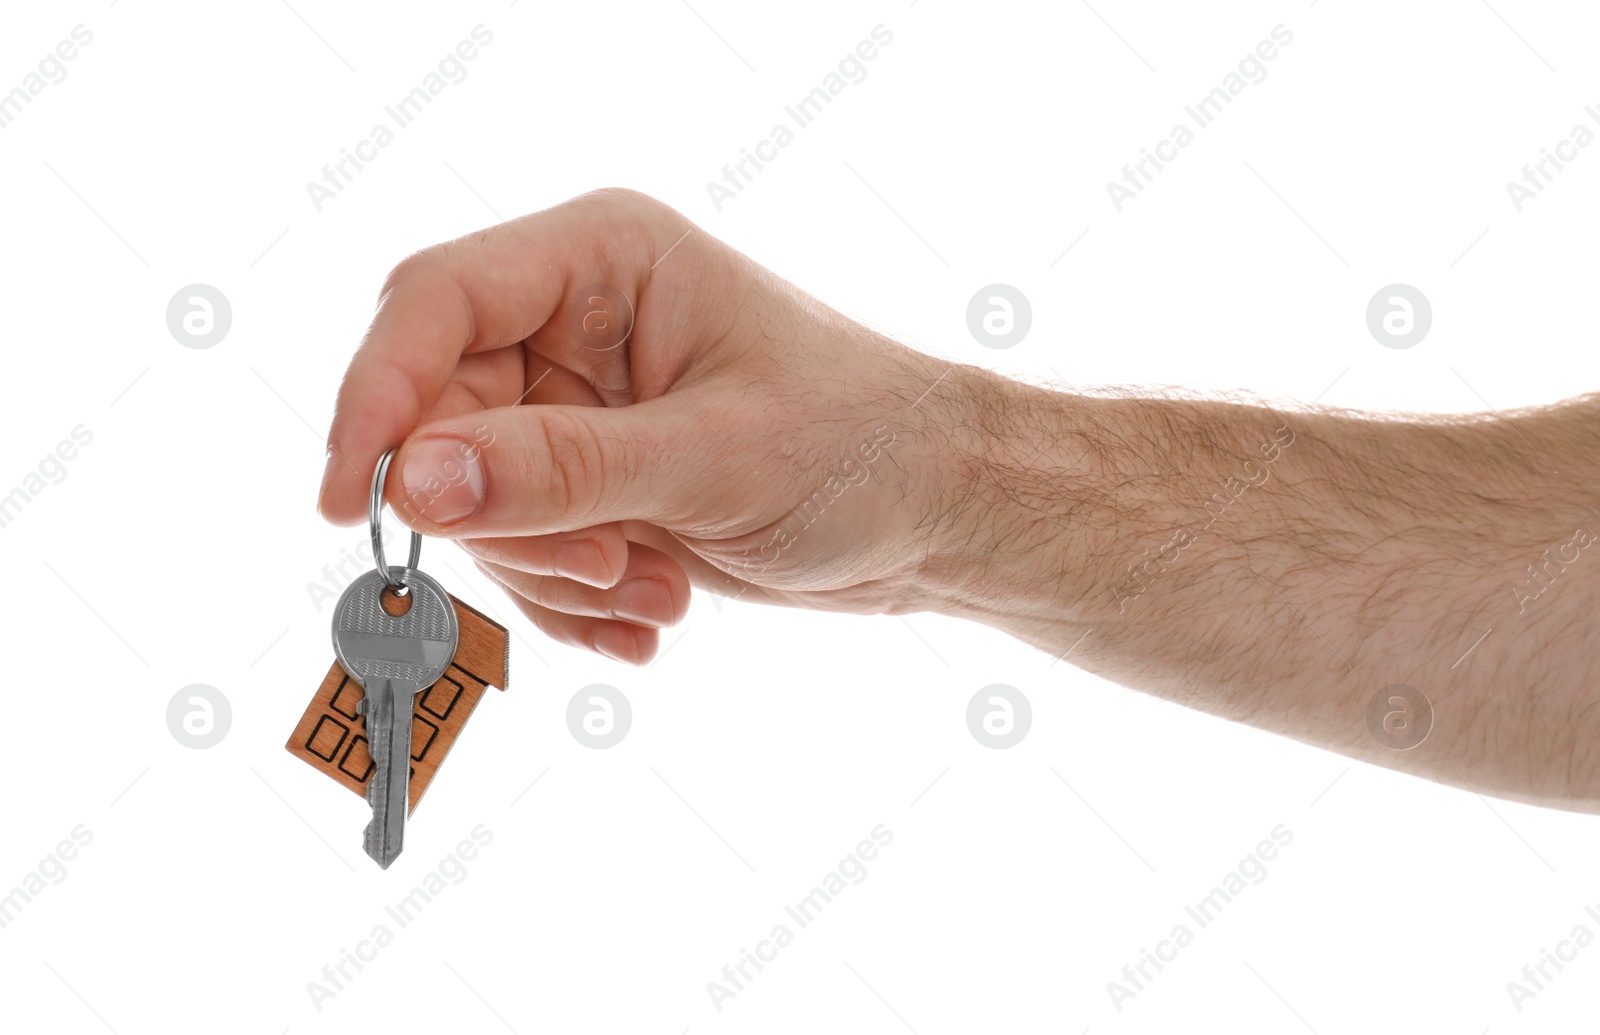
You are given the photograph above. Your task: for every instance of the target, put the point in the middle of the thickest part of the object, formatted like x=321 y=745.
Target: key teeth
x=372 y=844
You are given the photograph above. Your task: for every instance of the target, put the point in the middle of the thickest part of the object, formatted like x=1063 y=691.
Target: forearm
x=1283 y=567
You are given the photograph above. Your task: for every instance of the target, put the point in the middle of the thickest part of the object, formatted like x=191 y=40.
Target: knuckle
x=564 y=596
x=575 y=480
x=625 y=197
x=557 y=626
x=418 y=263
x=624 y=208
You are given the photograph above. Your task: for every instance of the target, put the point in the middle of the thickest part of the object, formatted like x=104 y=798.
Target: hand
x=740 y=435
x=693 y=420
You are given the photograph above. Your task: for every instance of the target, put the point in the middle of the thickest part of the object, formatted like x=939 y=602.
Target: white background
x=179 y=547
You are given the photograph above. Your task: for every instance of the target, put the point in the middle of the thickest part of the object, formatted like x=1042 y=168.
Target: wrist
x=1009 y=542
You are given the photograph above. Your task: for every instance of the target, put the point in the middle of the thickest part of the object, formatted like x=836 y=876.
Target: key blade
x=379 y=846
x=389 y=711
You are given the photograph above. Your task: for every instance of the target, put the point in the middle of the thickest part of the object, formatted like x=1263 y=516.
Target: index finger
x=485 y=291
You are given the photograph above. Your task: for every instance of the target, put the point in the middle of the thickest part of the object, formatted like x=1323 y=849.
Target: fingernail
x=582 y=561
x=617 y=643
x=327 y=476
x=646 y=601
x=443 y=479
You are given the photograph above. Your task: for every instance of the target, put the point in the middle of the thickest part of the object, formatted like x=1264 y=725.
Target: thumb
x=536 y=469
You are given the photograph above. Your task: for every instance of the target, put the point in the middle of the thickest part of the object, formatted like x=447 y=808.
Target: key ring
x=374 y=524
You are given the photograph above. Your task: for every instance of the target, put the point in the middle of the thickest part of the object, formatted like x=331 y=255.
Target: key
x=330 y=735
x=394 y=658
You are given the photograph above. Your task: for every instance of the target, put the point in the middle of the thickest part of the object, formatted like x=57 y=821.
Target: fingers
x=621 y=641
x=619 y=622
x=653 y=592
x=482 y=292
x=425 y=323
x=724 y=581
x=534 y=470
x=595 y=556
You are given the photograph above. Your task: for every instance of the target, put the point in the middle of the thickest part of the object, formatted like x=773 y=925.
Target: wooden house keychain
x=405 y=650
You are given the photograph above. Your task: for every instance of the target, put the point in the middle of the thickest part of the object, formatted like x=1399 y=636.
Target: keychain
x=406 y=650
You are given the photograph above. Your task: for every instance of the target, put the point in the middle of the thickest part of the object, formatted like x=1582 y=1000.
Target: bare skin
x=1275 y=565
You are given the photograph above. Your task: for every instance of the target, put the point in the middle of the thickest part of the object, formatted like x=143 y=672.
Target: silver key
x=394 y=659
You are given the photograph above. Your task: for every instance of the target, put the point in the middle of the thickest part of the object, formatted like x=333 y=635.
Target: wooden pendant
x=332 y=735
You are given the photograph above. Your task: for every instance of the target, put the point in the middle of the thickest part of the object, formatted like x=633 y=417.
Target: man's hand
x=603 y=405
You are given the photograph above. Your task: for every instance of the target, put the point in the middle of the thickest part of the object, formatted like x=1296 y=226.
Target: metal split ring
x=374 y=525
